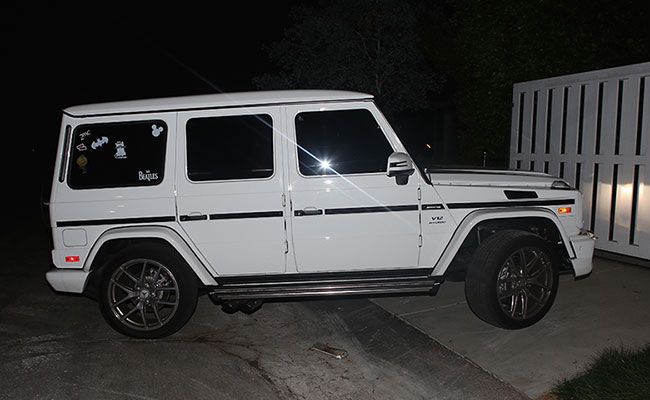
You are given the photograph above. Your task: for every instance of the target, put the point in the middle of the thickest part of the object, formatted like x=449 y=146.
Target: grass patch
x=614 y=374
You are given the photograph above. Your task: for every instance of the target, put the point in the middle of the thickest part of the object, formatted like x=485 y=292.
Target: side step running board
x=326 y=287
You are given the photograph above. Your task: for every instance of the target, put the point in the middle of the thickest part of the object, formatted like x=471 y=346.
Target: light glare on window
x=325 y=164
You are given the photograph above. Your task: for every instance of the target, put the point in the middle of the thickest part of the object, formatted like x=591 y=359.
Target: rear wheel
x=512 y=279
x=147 y=291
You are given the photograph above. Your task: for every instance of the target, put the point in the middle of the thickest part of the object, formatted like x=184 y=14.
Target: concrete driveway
x=609 y=308
x=58 y=347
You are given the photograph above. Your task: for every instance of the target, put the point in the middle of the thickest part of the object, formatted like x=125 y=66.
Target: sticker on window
x=82 y=161
x=99 y=142
x=120 y=150
x=156 y=130
x=83 y=135
x=147 y=176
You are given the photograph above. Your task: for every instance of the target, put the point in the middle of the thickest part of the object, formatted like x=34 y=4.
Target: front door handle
x=308 y=211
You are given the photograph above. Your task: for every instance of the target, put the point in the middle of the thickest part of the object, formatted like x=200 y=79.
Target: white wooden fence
x=593 y=130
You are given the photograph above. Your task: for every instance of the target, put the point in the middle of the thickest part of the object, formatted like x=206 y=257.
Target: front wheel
x=147 y=291
x=512 y=280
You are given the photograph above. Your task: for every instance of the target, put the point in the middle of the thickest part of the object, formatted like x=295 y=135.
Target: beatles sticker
x=147 y=175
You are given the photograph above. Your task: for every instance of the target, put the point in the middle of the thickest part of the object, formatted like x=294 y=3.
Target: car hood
x=497 y=178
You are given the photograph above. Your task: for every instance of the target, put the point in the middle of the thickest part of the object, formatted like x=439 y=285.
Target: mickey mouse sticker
x=156 y=130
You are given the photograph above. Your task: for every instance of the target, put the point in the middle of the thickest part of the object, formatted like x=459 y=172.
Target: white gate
x=593 y=130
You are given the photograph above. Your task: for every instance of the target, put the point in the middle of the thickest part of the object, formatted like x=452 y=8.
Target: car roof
x=222 y=100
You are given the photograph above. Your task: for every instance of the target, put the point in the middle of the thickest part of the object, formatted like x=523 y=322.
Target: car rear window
x=117 y=154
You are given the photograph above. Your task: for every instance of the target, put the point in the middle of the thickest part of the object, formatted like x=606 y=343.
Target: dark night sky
x=55 y=57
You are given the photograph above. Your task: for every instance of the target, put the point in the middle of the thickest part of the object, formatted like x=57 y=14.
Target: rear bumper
x=67 y=280
x=583 y=246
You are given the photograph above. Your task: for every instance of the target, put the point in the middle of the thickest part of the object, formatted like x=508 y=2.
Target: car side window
x=117 y=154
x=340 y=142
x=230 y=147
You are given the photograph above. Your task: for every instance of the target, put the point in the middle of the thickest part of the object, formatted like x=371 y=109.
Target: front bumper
x=67 y=280
x=583 y=246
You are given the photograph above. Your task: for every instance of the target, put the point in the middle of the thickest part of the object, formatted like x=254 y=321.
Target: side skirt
x=327 y=284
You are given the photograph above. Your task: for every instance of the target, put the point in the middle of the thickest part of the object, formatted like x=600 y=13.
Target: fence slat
x=608 y=117
x=589 y=120
x=586 y=188
x=629 y=116
x=553 y=157
x=624 y=204
x=643 y=222
x=514 y=127
x=604 y=201
x=573 y=113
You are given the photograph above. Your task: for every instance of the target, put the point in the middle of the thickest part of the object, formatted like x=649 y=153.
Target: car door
x=347 y=214
x=230 y=196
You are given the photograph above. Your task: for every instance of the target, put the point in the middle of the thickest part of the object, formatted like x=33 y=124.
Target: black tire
x=163 y=296
x=499 y=287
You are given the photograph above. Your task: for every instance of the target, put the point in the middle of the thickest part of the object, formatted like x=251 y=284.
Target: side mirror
x=400 y=166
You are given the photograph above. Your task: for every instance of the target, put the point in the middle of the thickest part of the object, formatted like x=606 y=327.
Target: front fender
x=476 y=217
x=153 y=232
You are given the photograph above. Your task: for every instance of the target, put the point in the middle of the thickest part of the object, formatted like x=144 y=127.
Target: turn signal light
x=71 y=258
x=564 y=210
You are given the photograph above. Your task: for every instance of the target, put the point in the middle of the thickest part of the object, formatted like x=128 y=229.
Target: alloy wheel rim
x=525 y=283
x=143 y=294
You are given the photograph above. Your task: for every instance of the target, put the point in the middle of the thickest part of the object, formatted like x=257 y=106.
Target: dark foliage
x=485 y=46
x=370 y=46
x=614 y=374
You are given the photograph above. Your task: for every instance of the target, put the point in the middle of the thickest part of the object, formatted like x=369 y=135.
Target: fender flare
x=476 y=217
x=153 y=232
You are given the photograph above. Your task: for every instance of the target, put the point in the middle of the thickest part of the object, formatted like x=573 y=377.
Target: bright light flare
x=325 y=164
x=626 y=189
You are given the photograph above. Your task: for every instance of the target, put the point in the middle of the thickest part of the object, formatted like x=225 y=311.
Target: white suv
x=254 y=196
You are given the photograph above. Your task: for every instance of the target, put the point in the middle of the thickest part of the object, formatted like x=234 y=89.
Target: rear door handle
x=308 y=211
x=193 y=216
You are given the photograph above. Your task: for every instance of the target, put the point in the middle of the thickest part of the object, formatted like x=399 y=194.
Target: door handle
x=193 y=216
x=308 y=211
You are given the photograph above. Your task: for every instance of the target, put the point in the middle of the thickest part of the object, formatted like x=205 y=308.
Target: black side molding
x=303 y=213
x=364 y=210
x=201 y=217
x=115 y=221
x=239 y=215
x=243 y=215
x=526 y=203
